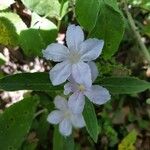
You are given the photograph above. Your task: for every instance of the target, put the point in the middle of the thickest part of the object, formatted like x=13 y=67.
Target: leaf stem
x=136 y=33
x=60 y=15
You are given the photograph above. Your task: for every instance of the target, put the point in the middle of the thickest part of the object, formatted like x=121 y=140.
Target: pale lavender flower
x=65 y=117
x=73 y=59
x=95 y=93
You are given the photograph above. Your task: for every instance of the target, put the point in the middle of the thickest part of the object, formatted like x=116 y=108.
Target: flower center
x=74 y=57
x=81 y=87
x=67 y=114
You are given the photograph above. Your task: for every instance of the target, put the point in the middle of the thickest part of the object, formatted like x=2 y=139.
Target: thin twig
x=40 y=112
x=136 y=33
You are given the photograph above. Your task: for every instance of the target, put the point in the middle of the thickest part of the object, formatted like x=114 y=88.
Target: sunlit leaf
x=128 y=142
x=41 y=33
x=51 y=8
x=5 y=3
x=10 y=27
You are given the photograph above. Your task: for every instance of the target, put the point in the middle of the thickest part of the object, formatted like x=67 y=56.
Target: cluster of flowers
x=77 y=67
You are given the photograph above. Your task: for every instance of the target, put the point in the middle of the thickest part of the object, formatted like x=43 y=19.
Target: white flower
x=73 y=59
x=65 y=117
x=95 y=93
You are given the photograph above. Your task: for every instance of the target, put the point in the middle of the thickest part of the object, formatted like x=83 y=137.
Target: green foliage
x=128 y=141
x=91 y=120
x=41 y=82
x=28 y=81
x=39 y=132
x=57 y=139
x=60 y=142
x=51 y=8
x=113 y=68
x=105 y=21
x=43 y=127
x=111 y=134
x=15 y=123
x=15 y=20
x=29 y=146
x=124 y=85
x=46 y=101
x=20 y=127
x=146 y=29
x=5 y=4
x=10 y=27
x=32 y=40
x=145 y=4
x=41 y=33
x=8 y=35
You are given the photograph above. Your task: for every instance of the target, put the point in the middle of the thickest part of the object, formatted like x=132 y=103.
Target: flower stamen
x=67 y=114
x=74 y=57
x=81 y=88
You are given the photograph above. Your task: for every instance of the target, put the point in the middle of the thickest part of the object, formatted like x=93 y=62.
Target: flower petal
x=82 y=74
x=74 y=37
x=98 y=95
x=94 y=70
x=56 y=52
x=65 y=127
x=78 y=121
x=60 y=72
x=70 y=87
x=91 y=49
x=67 y=88
x=55 y=117
x=76 y=102
x=60 y=103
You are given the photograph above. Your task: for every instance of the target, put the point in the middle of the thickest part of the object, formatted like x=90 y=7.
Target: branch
x=136 y=33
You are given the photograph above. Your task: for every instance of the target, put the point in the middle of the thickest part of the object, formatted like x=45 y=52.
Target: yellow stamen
x=81 y=87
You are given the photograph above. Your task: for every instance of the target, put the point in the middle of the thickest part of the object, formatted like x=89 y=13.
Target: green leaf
x=63 y=8
x=8 y=34
x=105 y=22
x=28 y=81
x=145 y=4
x=15 y=20
x=60 y=142
x=128 y=142
x=41 y=82
x=15 y=123
x=91 y=120
x=51 y=8
x=29 y=146
x=57 y=139
x=5 y=4
x=10 y=27
x=146 y=29
x=41 y=33
x=42 y=129
x=124 y=85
